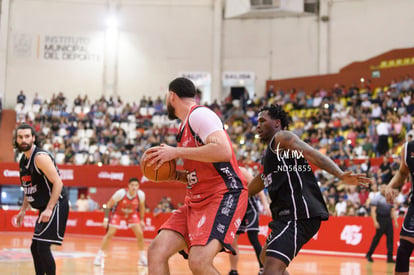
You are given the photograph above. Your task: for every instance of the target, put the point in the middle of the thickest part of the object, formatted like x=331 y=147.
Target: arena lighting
x=112 y=23
x=362 y=80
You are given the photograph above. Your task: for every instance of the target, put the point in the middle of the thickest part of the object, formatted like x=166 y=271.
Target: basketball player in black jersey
x=405 y=249
x=297 y=204
x=250 y=224
x=43 y=190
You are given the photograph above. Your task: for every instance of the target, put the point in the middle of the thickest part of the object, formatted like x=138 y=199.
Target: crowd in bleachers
x=345 y=123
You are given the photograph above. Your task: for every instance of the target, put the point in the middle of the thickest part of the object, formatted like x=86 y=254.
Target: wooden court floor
x=77 y=253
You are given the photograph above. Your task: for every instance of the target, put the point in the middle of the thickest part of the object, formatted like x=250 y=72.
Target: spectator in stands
x=37 y=100
x=82 y=204
x=383 y=132
x=341 y=206
x=21 y=98
x=331 y=205
x=158 y=209
x=368 y=146
x=363 y=195
x=270 y=92
x=385 y=171
x=353 y=195
x=78 y=101
x=93 y=205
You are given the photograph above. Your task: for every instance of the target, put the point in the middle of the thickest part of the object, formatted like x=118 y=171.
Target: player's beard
x=171 y=112
x=24 y=147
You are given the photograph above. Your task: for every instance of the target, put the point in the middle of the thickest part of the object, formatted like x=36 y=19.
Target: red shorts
x=217 y=217
x=116 y=220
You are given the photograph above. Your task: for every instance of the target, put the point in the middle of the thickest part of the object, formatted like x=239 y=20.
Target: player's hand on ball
x=157 y=155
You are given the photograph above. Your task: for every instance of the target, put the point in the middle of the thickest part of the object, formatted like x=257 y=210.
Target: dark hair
x=24 y=126
x=183 y=87
x=276 y=112
x=133 y=179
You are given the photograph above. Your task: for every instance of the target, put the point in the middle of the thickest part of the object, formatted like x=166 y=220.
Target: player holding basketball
x=43 y=189
x=127 y=205
x=297 y=204
x=216 y=196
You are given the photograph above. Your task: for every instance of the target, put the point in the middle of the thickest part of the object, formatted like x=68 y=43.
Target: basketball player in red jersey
x=216 y=198
x=127 y=205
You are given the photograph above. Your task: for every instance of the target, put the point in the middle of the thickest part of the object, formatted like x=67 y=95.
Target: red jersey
x=126 y=205
x=205 y=178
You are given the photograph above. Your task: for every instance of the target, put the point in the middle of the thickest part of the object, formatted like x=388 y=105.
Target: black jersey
x=409 y=160
x=36 y=186
x=292 y=185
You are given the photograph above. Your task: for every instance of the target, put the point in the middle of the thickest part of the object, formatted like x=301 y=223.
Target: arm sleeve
x=118 y=195
x=204 y=121
x=141 y=195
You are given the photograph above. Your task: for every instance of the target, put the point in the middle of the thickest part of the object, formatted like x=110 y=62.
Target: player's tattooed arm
x=286 y=140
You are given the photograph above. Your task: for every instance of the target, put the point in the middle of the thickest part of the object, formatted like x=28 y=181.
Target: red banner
x=84 y=176
x=102 y=176
x=344 y=235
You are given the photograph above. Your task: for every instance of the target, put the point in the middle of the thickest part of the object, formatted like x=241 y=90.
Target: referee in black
x=382 y=214
x=43 y=189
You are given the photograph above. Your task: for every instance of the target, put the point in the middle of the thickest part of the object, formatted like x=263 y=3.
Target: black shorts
x=407 y=228
x=250 y=220
x=54 y=230
x=288 y=237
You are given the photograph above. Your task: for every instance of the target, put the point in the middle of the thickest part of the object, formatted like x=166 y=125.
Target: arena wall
x=159 y=40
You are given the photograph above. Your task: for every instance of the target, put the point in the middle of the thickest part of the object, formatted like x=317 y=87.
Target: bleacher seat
x=81 y=133
x=60 y=158
x=110 y=110
x=89 y=133
x=125 y=160
x=77 y=109
x=58 y=139
x=62 y=132
x=80 y=158
x=36 y=108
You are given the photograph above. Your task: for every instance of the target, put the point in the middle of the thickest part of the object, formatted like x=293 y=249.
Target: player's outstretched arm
x=288 y=140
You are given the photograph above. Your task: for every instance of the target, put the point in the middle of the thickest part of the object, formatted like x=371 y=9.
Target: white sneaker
x=143 y=261
x=98 y=260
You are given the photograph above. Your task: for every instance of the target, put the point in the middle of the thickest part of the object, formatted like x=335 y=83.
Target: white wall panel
x=159 y=39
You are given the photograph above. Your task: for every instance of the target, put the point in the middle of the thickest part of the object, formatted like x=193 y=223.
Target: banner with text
x=348 y=236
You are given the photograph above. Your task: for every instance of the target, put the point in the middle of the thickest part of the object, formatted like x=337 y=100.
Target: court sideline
x=77 y=253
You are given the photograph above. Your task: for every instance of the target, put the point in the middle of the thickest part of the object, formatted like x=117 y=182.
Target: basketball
x=164 y=173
